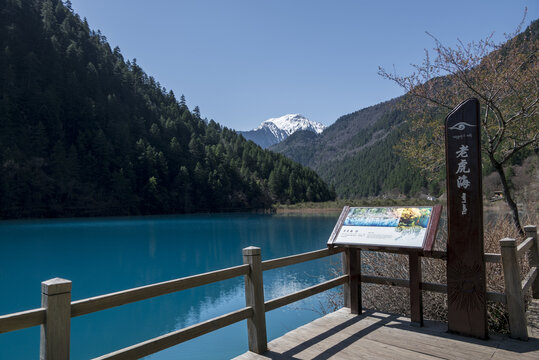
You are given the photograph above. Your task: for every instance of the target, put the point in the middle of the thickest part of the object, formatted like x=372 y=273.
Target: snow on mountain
x=275 y=130
x=291 y=123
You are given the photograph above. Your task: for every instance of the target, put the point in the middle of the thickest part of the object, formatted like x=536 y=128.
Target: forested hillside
x=85 y=132
x=377 y=168
x=391 y=148
x=356 y=154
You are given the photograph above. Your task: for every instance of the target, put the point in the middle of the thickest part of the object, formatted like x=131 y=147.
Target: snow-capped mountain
x=275 y=130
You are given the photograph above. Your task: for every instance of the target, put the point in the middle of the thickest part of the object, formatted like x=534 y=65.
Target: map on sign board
x=401 y=227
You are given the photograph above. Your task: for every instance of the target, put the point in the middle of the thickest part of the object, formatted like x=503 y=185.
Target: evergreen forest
x=85 y=132
x=357 y=154
x=378 y=169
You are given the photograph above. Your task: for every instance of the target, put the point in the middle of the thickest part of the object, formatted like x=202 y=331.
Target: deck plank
x=375 y=335
x=443 y=347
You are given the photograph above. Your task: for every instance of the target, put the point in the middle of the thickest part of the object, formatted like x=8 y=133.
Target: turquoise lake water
x=108 y=255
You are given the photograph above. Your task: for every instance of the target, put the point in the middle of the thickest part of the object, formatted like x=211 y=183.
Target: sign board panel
x=395 y=227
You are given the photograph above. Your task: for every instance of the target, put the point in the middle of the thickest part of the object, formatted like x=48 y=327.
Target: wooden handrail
x=524 y=246
x=35 y=317
x=434 y=287
x=436 y=254
x=299 y=258
x=98 y=303
x=497 y=297
x=305 y=293
x=22 y=320
x=489 y=257
x=25 y=319
x=493 y=258
x=529 y=279
x=162 y=342
x=426 y=286
x=380 y=280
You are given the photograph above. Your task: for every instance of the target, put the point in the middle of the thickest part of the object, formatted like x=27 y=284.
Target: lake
x=108 y=255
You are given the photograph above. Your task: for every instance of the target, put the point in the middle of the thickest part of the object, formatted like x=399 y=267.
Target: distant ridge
x=275 y=130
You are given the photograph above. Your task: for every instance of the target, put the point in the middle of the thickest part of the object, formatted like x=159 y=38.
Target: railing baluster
x=56 y=298
x=513 y=291
x=345 y=259
x=533 y=256
x=416 y=295
x=354 y=280
x=254 y=297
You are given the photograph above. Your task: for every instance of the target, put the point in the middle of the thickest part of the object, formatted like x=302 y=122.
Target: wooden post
x=345 y=256
x=533 y=256
x=466 y=275
x=513 y=291
x=416 y=296
x=353 y=297
x=56 y=298
x=254 y=296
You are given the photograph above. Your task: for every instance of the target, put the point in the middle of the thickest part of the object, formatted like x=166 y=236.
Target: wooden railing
x=352 y=290
x=57 y=309
x=515 y=288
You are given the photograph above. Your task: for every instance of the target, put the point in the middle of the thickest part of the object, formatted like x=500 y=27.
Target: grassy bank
x=500 y=207
x=337 y=205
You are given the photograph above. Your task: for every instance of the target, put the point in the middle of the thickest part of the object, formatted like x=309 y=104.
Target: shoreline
x=336 y=207
x=310 y=210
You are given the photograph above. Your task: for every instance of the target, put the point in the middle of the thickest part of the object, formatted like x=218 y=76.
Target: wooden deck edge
x=500 y=345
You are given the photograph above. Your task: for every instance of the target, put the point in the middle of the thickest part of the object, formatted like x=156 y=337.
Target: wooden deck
x=375 y=335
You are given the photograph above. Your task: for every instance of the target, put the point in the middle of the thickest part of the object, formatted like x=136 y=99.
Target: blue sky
x=242 y=62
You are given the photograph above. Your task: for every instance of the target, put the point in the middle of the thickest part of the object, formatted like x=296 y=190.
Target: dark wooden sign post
x=467 y=311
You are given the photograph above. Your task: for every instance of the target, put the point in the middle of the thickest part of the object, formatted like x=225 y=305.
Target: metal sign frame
x=353 y=261
x=426 y=245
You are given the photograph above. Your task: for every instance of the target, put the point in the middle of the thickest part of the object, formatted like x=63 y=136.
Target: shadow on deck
x=376 y=335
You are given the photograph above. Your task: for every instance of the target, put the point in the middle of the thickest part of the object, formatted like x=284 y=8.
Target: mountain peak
x=291 y=123
x=275 y=130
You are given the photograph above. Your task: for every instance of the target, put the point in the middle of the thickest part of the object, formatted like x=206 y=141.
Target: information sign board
x=395 y=227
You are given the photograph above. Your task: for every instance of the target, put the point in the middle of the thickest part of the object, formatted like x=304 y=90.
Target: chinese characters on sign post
x=462 y=181
x=465 y=254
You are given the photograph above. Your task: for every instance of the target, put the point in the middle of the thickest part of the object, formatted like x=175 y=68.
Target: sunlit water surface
x=108 y=255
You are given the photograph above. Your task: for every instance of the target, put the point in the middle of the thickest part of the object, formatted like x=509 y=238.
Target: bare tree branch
x=503 y=76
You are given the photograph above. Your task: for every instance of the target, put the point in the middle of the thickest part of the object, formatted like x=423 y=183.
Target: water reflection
x=108 y=255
